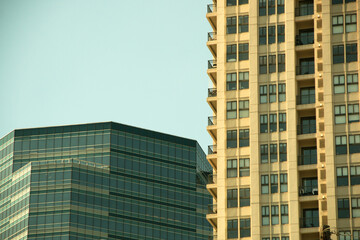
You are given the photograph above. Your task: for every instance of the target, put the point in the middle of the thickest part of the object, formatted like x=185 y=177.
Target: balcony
x=211 y=186
x=212 y=43
x=305 y=69
x=212 y=92
x=304 y=9
x=212 y=121
x=212 y=149
x=304 y=39
x=307 y=159
x=212 y=209
x=306 y=128
x=309 y=222
x=305 y=99
x=212 y=64
x=311 y=190
x=212 y=36
x=211 y=8
x=211 y=15
x=212 y=237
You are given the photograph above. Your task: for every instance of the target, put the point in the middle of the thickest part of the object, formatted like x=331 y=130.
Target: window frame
x=230 y=82
x=274 y=183
x=231 y=168
x=351 y=52
x=283 y=182
x=339 y=84
x=264 y=123
x=281 y=62
x=262 y=64
x=272 y=63
x=271 y=33
x=231 y=53
x=243 y=80
x=232 y=198
x=243 y=23
x=231 y=139
x=265 y=184
x=264 y=153
x=342 y=176
x=353 y=113
x=243 y=108
x=338 y=24
x=243 y=51
x=244 y=167
x=281 y=92
x=244 y=137
x=231 y=25
x=340 y=114
x=231 y=110
x=338 y=54
x=244 y=197
x=352 y=80
x=350 y=24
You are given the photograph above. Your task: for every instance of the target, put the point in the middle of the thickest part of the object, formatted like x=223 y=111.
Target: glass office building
x=102 y=181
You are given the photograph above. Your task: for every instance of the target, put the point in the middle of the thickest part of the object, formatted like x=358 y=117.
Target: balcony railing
x=304 y=10
x=211 y=64
x=305 y=99
x=309 y=222
x=212 y=149
x=212 y=237
x=212 y=121
x=211 y=8
x=212 y=36
x=306 y=129
x=305 y=38
x=308 y=190
x=212 y=92
x=211 y=178
x=212 y=209
x=307 y=69
x=307 y=159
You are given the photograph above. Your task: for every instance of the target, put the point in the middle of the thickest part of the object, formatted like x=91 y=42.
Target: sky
x=141 y=63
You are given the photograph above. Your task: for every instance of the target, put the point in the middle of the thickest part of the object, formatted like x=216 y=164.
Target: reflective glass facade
x=102 y=181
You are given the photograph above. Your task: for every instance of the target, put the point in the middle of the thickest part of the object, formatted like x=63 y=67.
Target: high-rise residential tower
x=285 y=123
x=102 y=181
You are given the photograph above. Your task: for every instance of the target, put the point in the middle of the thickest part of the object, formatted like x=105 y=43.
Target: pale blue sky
x=141 y=63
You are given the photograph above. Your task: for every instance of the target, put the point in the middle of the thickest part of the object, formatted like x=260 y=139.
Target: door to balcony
x=310 y=218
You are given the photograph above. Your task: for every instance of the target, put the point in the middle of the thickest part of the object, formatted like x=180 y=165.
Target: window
x=339 y=84
x=274 y=215
x=231 y=110
x=231 y=168
x=343 y=208
x=265 y=214
x=281 y=62
x=345 y=235
x=337 y=24
x=264 y=184
x=282 y=122
x=244 y=138
x=262 y=36
x=338 y=54
x=281 y=31
x=340 y=114
x=355 y=175
x=232 y=230
x=271 y=7
x=280 y=6
x=232 y=201
x=355 y=207
x=337 y=1
x=231 y=3
x=263 y=94
x=230 y=81
x=354 y=144
x=231 y=139
x=342 y=176
x=274 y=183
x=356 y=234
x=283 y=152
x=283 y=182
x=244 y=167
x=273 y=153
x=307 y=95
x=244 y=197
x=272 y=93
x=351 y=52
x=284 y=238
x=245 y=228
x=282 y=92
x=243 y=2
x=353 y=113
x=340 y=145
x=272 y=63
x=243 y=23
x=263 y=64
x=284 y=214
x=231 y=53
x=231 y=25
x=262 y=7
x=273 y=122
x=263 y=123
x=243 y=51
x=264 y=154
x=352 y=82
x=350 y=22
x=243 y=80
x=244 y=109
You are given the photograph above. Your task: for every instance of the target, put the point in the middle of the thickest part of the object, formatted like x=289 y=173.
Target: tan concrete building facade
x=285 y=124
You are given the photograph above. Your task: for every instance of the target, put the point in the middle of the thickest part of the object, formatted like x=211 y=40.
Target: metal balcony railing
x=212 y=149
x=212 y=209
x=211 y=8
x=304 y=10
x=212 y=36
x=307 y=159
x=211 y=178
x=212 y=92
x=306 y=129
x=309 y=222
x=212 y=237
x=211 y=64
x=305 y=99
x=305 y=38
x=307 y=69
x=308 y=190
x=212 y=121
